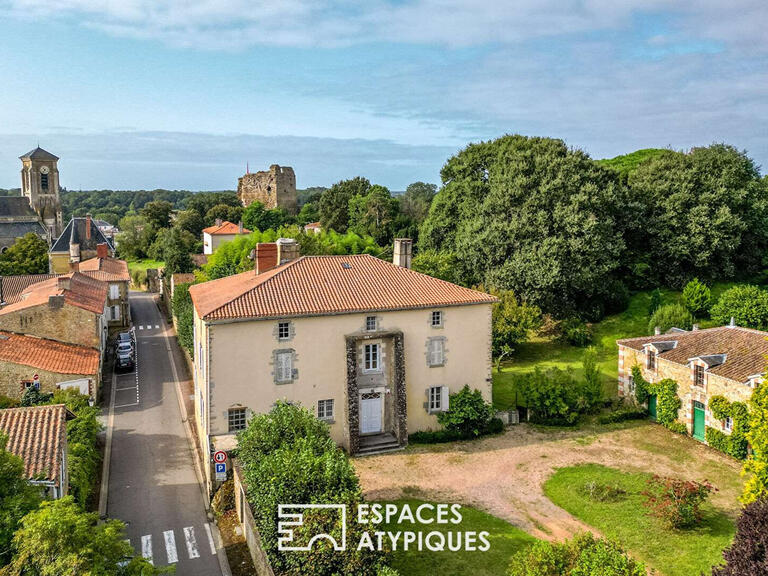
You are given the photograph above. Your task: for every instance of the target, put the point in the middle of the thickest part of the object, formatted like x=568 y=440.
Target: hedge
x=623 y=415
x=494 y=426
x=735 y=443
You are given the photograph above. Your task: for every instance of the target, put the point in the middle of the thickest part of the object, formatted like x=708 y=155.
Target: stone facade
x=13 y=376
x=714 y=385
x=59 y=321
x=275 y=188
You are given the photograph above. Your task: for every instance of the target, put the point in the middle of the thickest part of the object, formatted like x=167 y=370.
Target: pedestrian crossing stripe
x=169 y=539
x=170 y=547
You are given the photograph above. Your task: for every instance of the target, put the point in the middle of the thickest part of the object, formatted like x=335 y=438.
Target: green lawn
x=672 y=552
x=546 y=352
x=505 y=541
x=144 y=264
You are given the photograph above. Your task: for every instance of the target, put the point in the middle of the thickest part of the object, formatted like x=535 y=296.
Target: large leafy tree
x=59 y=538
x=158 y=213
x=373 y=214
x=29 y=255
x=532 y=215
x=417 y=199
x=223 y=212
x=705 y=212
x=174 y=246
x=512 y=323
x=257 y=217
x=190 y=221
x=17 y=498
x=334 y=202
x=136 y=236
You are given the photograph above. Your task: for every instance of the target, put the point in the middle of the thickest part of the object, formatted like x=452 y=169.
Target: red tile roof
x=318 y=285
x=11 y=287
x=37 y=435
x=106 y=269
x=745 y=349
x=225 y=228
x=48 y=355
x=83 y=292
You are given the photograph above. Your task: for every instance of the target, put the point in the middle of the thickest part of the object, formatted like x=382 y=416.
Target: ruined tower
x=275 y=188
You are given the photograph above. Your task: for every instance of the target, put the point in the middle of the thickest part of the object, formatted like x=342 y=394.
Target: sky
x=183 y=94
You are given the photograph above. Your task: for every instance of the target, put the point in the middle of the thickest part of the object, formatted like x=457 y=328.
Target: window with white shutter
x=438 y=399
x=114 y=291
x=284 y=366
x=436 y=352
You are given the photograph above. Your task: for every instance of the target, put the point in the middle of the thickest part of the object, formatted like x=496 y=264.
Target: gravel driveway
x=504 y=474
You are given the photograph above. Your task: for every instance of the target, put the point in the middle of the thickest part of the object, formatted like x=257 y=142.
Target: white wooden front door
x=370 y=414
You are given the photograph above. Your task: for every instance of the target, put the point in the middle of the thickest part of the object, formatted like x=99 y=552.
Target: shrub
x=697 y=298
x=735 y=443
x=676 y=502
x=677 y=427
x=756 y=465
x=600 y=492
x=748 y=553
x=655 y=301
x=593 y=383
x=512 y=323
x=576 y=332
x=623 y=415
x=670 y=316
x=747 y=305
x=555 y=397
x=224 y=499
x=493 y=426
x=7 y=402
x=584 y=555
x=181 y=304
x=467 y=412
x=718 y=440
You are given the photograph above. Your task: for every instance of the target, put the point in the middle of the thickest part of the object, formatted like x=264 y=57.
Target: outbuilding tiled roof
x=12 y=287
x=37 y=435
x=48 y=355
x=226 y=227
x=319 y=285
x=745 y=349
x=84 y=292
x=106 y=269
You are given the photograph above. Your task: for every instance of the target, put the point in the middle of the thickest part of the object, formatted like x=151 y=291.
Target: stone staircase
x=377 y=444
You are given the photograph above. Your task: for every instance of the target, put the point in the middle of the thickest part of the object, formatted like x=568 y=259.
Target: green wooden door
x=652 y=406
x=698 y=421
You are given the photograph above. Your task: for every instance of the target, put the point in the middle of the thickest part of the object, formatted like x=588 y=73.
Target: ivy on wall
x=667 y=401
x=734 y=443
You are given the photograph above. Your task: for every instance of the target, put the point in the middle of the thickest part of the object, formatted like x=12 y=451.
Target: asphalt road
x=152 y=483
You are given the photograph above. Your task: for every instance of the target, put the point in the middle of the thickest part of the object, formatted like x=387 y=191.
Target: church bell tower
x=40 y=185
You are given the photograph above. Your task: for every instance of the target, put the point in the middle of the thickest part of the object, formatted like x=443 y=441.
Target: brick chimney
x=88 y=226
x=64 y=282
x=264 y=256
x=287 y=250
x=218 y=221
x=102 y=250
x=402 y=252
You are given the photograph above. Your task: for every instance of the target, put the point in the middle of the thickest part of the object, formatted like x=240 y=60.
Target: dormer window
x=650 y=359
x=698 y=375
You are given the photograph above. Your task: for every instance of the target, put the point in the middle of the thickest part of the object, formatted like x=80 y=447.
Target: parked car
x=124 y=362
x=124 y=348
x=127 y=336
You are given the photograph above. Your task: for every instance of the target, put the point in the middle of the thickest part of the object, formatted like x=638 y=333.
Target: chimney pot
x=695 y=327
x=64 y=281
x=402 y=250
x=88 y=226
x=102 y=251
x=287 y=250
x=733 y=322
x=657 y=330
x=264 y=257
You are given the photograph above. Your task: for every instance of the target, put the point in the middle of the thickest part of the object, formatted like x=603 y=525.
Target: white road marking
x=146 y=547
x=210 y=538
x=157 y=326
x=189 y=536
x=170 y=547
x=141 y=327
x=126 y=405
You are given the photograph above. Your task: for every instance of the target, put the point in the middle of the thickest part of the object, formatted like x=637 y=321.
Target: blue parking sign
x=221 y=471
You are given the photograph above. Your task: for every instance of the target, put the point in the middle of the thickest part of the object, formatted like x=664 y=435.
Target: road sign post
x=221 y=471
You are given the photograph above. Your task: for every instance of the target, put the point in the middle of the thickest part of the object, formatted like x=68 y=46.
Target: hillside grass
x=548 y=352
x=505 y=540
x=672 y=552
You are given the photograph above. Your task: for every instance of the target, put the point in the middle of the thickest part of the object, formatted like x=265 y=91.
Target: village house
x=371 y=347
x=48 y=365
x=726 y=361
x=221 y=232
x=38 y=435
x=71 y=308
x=78 y=242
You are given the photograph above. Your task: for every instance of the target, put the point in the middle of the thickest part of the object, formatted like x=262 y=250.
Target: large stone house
x=371 y=347
x=221 y=232
x=38 y=435
x=726 y=361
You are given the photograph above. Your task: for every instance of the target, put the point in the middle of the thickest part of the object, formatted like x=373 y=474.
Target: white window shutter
x=444 y=398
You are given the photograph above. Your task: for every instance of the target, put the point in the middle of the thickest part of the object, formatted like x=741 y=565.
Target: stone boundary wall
x=247 y=521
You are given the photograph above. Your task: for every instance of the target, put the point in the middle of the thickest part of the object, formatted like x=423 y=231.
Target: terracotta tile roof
x=12 y=287
x=318 y=285
x=745 y=349
x=38 y=436
x=106 y=269
x=48 y=355
x=226 y=227
x=83 y=292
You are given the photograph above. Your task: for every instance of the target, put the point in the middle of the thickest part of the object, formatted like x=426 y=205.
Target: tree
x=584 y=555
x=202 y=202
x=373 y=214
x=512 y=323
x=223 y=212
x=756 y=465
x=157 y=213
x=257 y=217
x=174 y=246
x=190 y=221
x=59 y=538
x=182 y=310
x=655 y=302
x=696 y=298
x=533 y=216
x=28 y=255
x=308 y=213
x=705 y=213
x=746 y=304
x=670 y=316
x=416 y=201
x=593 y=382
x=748 y=553
x=17 y=498
x=136 y=236
x=442 y=265
x=334 y=202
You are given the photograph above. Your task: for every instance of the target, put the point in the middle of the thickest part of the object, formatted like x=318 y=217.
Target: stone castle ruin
x=275 y=188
